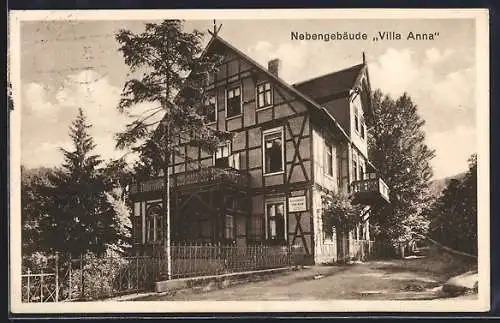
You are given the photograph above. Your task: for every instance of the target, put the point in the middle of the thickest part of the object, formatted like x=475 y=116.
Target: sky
x=70 y=64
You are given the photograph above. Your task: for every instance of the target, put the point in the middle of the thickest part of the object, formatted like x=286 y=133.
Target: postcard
x=284 y=160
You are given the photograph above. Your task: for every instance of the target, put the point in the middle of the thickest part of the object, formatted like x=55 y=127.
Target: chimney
x=273 y=66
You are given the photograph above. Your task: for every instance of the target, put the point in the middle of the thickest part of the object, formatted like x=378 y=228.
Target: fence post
x=57 y=277
x=82 y=295
x=137 y=273
x=41 y=285
x=29 y=287
x=128 y=274
x=70 y=273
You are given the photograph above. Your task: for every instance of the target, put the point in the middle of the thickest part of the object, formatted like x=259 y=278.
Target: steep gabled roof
x=309 y=102
x=330 y=84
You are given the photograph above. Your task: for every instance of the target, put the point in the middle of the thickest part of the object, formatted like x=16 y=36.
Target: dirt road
x=404 y=279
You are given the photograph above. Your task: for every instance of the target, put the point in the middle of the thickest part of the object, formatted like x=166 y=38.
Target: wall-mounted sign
x=297 y=204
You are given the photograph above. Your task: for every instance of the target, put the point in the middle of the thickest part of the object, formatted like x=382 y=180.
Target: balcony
x=194 y=178
x=370 y=190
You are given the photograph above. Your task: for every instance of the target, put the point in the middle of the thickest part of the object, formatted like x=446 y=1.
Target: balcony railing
x=209 y=175
x=370 y=187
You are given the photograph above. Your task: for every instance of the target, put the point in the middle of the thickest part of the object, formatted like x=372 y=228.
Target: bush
x=100 y=278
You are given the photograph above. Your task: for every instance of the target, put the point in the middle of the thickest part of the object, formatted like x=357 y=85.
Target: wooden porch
x=209 y=205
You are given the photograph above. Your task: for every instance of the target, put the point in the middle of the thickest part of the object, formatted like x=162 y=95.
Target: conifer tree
x=81 y=215
x=397 y=148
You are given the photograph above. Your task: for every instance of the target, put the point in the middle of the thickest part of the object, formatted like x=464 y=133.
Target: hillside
x=438 y=185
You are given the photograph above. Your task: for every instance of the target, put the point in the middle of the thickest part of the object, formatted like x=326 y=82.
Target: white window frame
x=357 y=122
x=156 y=223
x=229 y=149
x=355 y=159
x=257 y=95
x=241 y=101
x=329 y=148
x=285 y=216
x=270 y=132
x=214 y=96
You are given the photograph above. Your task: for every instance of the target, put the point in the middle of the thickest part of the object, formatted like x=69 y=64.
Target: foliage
x=121 y=225
x=398 y=150
x=454 y=214
x=81 y=216
x=340 y=212
x=97 y=277
x=35 y=206
x=117 y=175
x=174 y=70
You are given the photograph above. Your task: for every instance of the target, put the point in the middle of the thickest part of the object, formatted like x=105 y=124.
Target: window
x=229 y=227
x=264 y=95
x=234 y=160
x=275 y=221
x=361 y=171
x=354 y=168
x=329 y=160
x=137 y=223
x=273 y=151
x=356 y=119
x=221 y=157
x=154 y=232
x=137 y=229
x=233 y=102
x=327 y=229
x=210 y=109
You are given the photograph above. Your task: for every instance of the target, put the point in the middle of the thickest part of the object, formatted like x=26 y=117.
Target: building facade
x=291 y=145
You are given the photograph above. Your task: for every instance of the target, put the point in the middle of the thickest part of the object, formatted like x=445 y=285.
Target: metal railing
x=195 y=177
x=192 y=260
x=88 y=278
x=92 y=278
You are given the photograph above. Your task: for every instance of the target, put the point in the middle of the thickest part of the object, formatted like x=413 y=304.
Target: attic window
x=264 y=95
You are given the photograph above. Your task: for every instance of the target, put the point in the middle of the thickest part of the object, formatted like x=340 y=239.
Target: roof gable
x=311 y=104
x=330 y=84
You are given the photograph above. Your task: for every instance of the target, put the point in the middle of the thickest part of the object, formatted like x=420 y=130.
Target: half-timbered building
x=291 y=145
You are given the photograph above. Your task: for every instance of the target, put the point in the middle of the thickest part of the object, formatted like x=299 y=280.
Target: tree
x=340 y=212
x=35 y=206
x=173 y=78
x=174 y=71
x=454 y=213
x=397 y=148
x=117 y=175
x=81 y=216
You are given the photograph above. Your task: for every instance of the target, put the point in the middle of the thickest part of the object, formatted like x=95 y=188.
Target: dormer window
x=233 y=102
x=264 y=95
